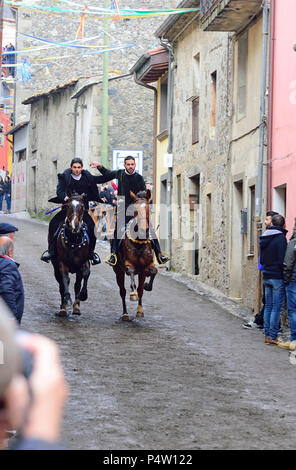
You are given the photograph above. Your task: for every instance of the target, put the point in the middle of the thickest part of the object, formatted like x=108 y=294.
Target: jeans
x=274 y=302
x=291 y=306
x=8 y=201
x=1 y=201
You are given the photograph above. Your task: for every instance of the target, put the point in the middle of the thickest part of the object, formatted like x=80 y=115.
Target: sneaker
x=251 y=325
x=271 y=342
x=290 y=345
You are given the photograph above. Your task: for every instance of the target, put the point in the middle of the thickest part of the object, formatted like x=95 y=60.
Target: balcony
x=227 y=15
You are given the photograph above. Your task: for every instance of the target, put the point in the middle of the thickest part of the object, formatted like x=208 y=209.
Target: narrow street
x=187 y=376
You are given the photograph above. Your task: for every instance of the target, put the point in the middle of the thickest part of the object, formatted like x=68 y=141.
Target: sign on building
x=119 y=156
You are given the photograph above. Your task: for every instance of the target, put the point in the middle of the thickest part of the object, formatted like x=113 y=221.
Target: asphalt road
x=187 y=376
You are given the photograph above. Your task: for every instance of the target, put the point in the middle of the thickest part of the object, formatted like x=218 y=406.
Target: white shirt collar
x=77 y=178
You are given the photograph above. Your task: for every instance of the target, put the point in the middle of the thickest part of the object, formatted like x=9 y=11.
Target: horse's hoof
x=83 y=297
x=147 y=287
x=62 y=313
x=134 y=296
x=140 y=314
x=125 y=317
x=76 y=311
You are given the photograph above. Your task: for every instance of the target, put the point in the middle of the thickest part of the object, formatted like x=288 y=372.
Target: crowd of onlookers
x=277 y=262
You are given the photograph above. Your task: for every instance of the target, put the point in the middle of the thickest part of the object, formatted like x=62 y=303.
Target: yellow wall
x=161 y=150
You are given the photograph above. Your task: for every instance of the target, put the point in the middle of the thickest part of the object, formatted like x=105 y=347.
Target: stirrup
x=109 y=262
x=163 y=253
x=46 y=258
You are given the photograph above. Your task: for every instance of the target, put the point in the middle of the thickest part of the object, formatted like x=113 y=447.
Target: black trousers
x=59 y=218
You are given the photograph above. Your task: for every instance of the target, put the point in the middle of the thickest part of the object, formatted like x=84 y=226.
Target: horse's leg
x=57 y=274
x=120 y=282
x=133 y=294
x=141 y=276
x=77 y=287
x=66 y=281
x=85 y=275
x=152 y=274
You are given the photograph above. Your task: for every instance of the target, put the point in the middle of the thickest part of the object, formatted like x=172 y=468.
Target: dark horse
x=72 y=255
x=135 y=255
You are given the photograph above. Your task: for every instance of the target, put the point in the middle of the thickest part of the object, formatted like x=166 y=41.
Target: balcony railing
x=227 y=15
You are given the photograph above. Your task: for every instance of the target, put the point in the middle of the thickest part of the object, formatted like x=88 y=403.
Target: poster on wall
x=119 y=156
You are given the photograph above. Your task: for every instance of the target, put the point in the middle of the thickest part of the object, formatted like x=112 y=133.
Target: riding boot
x=93 y=256
x=50 y=252
x=112 y=260
x=161 y=257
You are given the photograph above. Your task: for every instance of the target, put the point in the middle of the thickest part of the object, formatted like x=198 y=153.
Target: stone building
x=200 y=134
x=247 y=147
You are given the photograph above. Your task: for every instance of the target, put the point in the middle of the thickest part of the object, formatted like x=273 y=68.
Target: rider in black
x=128 y=180
x=74 y=180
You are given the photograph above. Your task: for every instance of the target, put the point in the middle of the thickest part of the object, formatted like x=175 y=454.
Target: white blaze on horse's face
x=75 y=219
x=142 y=216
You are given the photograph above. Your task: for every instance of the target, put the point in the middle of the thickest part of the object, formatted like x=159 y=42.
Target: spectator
x=7 y=193
x=7 y=230
x=32 y=406
x=273 y=246
x=258 y=321
x=289 y=271
x=107 y=194
x=11 y=284
x=2 y=192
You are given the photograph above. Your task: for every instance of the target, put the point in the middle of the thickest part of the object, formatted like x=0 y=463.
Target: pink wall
x=284 y=107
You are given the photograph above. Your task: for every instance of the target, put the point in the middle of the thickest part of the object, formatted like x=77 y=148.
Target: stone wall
x=202 y=168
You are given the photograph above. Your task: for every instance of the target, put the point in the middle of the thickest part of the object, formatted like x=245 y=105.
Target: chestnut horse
x=72 y=251
x=135 y=255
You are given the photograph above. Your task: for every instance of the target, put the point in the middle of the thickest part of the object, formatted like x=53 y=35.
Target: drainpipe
x=265 y=25
x=169 y=48
x=270 y=105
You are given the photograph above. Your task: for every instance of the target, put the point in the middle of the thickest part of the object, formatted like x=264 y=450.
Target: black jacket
x=126 y=183
x=289 y=269
x=273 y=244
x=64 y=180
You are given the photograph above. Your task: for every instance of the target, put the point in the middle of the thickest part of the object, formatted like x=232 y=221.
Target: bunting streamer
x=80 y=31
x=115 y=6
x=102 y=13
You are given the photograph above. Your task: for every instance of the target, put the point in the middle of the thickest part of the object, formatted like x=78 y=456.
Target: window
x=196 y=74
x=163 y=115
x=213 y=104
x=195 y=120
x=242 y=70
x=252 y=219
x=21 y=155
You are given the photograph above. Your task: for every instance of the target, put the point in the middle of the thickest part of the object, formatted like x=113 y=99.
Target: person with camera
x=32 y=398
x=11 y=284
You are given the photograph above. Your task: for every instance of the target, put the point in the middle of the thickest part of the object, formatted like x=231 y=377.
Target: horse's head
x=141 y=211
x=75 y=211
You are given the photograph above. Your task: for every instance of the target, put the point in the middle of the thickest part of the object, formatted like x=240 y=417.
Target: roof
x=17 y=127
x=44 y=94
x=152 y=65
x=174 y=24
